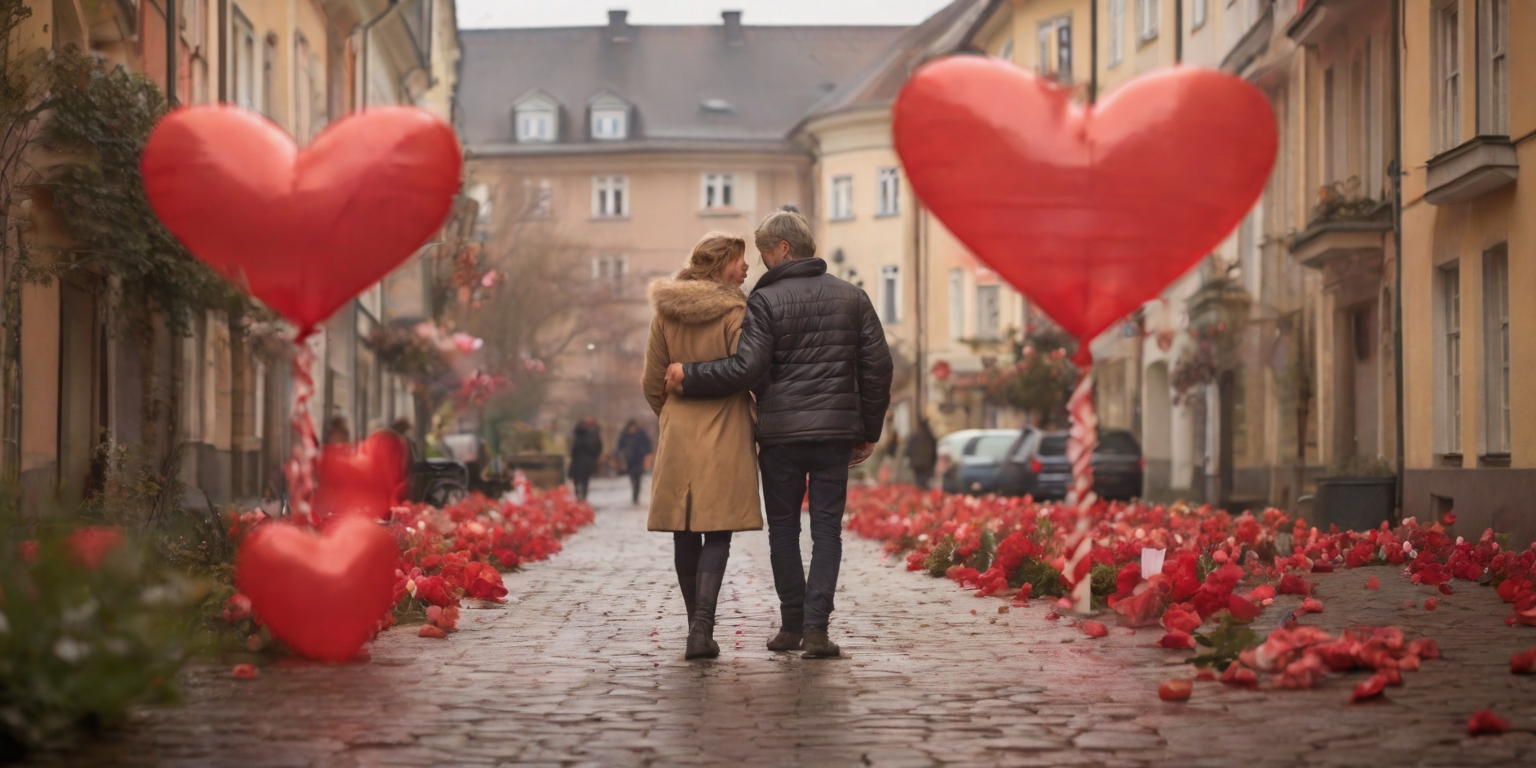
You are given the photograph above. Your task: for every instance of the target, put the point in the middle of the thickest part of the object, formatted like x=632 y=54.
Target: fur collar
x=695 y=301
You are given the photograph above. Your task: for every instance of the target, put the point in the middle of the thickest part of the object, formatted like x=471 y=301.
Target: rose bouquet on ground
x=89 y=625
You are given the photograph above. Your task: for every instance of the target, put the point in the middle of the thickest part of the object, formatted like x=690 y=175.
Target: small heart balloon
x=365 y=479
x=322 y=594
x=305 y=230
x=1088 y=211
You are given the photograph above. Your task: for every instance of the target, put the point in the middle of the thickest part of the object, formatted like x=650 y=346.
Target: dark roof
x=771 y=77
x=945 y=32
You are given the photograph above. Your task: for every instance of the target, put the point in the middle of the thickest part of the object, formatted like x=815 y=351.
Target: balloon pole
x=301 y=467
x=1081 y=440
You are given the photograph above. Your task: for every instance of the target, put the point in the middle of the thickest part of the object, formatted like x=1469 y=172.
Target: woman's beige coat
x=705 y=477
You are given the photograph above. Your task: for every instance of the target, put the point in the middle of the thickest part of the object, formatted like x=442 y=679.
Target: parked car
x=975 y=462
x=1117 y=467
x=948 y=448
x=1021 y=467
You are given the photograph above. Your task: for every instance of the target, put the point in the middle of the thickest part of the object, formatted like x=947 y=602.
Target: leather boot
x=701 y=634
x=791 y=632
x=689 y=585
x=819 y=646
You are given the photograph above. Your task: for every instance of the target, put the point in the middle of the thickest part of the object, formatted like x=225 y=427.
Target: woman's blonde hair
x=713 y=251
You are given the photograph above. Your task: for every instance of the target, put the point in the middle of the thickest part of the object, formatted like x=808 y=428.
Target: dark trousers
x=634 y=483
x=695 y=553
x=581 y=484
x=789 y=472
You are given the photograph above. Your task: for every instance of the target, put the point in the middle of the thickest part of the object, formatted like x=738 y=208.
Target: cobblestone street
x=585 y=668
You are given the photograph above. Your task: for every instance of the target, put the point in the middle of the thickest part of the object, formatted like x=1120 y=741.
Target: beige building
x=625 y=144
x=223 y=402
x=1469 y=243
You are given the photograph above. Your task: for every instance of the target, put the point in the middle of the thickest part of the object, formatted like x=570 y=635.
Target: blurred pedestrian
x=586 y=449
x=337 y=431
x=635 y=452
x=922 y=453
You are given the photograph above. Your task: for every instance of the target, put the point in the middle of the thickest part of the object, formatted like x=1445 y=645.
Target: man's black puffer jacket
x=813 y=351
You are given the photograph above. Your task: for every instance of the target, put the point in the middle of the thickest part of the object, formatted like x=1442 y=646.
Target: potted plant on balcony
x=1359 y=494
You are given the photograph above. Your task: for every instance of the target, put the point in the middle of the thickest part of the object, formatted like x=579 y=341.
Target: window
x=989 y=312
x=842 y=198
x=481 y=194
x=956 y=304
x=242 y=79
x=719 y=190
x=890 y=192
x=1330 y=139
x=610 y=197
x=1448 y=70
x=1496 y=339
x=536 y=126
x=1197 y=14
x=541 y=199
x=1006 y=52
x=1116 y=31
x=1450 y=281
x=1148 y=13
x=1365 y=90
x=890 y=294
x=1493 y=67
x=610 y=271
x=1055 y=40
x=610 y=124
x=268 y=63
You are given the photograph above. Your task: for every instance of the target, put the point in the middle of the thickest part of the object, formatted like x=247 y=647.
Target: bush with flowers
x=90 y=623
x=1016 y=547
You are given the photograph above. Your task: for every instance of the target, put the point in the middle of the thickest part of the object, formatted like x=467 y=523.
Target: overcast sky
x=479 y=14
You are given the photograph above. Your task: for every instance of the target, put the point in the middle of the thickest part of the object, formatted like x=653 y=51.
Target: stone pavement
x=586 y=668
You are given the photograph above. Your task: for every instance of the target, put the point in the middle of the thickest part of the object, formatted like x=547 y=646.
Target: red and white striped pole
x=1081 y=440
x=300 y=469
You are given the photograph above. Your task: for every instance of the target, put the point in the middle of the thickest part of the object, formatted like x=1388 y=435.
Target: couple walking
x=804 y=365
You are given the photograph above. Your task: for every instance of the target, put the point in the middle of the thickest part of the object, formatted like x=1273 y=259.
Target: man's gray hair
x=789 y=227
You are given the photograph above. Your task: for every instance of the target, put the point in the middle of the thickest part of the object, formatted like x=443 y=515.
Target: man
x=922 y=454
x=586 y=450
x=813 y=352
x=634 y=450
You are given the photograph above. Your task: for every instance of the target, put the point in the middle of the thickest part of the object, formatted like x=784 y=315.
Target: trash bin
x=1355 y=503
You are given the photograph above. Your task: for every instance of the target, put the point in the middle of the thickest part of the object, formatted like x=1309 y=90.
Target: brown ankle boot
x=786 y=640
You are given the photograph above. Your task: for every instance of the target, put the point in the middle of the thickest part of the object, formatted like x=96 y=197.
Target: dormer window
x=610 y=118
x=536 y=118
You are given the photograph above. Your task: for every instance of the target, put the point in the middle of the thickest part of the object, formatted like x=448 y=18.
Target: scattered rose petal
x=1175 y=690
x=1052 y=616
x=1373 y=583
x=244 y=672
x=1431 y=603
x=1242 y=609
x=1486 y=723
x=1206 y=675
x=1371 y=688
x=1523 y=663
x=1445 y=589
x=1177 y=640
x=1094 y=629
x=1310 y=605
x=1240 y=676
x=430 y=630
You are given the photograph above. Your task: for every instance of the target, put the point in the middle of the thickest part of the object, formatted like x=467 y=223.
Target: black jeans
x=634 y=482
x=788 y=472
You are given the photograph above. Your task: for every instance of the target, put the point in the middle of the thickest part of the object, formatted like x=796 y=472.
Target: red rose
x=1486 y=723
x=483 y=582
x=434 y=590
x=89 y=546
x=1175 y=690
x=1179 y=618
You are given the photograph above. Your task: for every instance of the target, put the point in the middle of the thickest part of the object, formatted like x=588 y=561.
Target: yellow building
x=1469 y=242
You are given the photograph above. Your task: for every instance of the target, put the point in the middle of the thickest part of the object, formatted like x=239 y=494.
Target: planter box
x=543 y=470
x=1355 y=503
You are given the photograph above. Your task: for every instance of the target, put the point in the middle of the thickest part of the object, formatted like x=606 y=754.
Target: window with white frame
x=1197 y=14
x=536 y=118
x=610 y=197
x=1450 y=286
x=1493 y=67
x=890 y=192
x=609 y=124
x=1496 y=341
x=956 y=304
x=1447 y=57
x=1148 y=14
x=718 y=190
x=1116 y=32
x=989 y=312
x=242 y=76
x=890 y=293
x=841 y=198
x=1054 y=37
x=609 y=271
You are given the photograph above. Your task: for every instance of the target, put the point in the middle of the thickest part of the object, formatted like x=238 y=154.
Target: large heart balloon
x=1088 y=211
x=365 y=479
x=302 y=230
x=322 y=594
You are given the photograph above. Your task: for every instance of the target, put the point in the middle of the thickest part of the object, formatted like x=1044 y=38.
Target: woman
x=586 y=449
x=634 y=449
x=704 y=484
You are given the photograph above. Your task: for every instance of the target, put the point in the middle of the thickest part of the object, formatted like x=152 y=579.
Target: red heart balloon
x=322 y=594
x=365 y=479
x=302 y=230
x=1088 y=211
